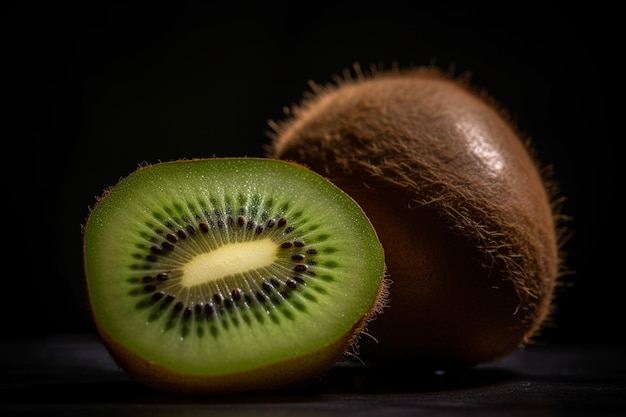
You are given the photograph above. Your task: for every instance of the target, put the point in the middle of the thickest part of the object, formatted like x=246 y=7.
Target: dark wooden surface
x=74 y=375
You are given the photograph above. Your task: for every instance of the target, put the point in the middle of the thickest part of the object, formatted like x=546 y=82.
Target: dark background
x=95 y=90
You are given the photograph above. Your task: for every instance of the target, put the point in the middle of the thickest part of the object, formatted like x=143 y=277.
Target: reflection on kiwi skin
x=468 y=218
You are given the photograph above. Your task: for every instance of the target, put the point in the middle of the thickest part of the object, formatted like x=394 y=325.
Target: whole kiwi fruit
x=468 y=217
x=225 y=275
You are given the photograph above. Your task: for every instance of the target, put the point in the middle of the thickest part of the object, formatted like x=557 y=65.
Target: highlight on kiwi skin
x=469 y=218
x=215 y=276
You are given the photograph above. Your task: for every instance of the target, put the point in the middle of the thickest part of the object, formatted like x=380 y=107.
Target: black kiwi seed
x=168 y=299
x=198 y=308
x=208 y=308
x=267 y=287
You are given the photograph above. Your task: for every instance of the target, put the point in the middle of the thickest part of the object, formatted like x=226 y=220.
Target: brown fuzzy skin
x=466 y=217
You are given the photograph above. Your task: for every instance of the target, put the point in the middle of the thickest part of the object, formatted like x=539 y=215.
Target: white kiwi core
x=230 y=259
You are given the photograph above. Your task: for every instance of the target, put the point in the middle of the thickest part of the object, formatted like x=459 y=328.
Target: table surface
x=74 y=375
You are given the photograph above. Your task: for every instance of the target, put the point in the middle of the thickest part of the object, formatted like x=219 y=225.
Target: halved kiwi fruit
x=227 y=275
x=468 y=217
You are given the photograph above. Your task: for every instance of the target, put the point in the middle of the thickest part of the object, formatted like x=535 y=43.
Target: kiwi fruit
x=225 y=275
x=468 y=217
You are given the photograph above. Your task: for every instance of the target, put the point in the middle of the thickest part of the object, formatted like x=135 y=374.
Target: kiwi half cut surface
x=229 y=274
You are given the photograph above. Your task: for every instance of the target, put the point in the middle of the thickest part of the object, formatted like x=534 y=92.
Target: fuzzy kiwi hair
x=470 y=220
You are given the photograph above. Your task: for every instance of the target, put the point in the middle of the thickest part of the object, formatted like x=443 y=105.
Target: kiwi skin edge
x=468 y=219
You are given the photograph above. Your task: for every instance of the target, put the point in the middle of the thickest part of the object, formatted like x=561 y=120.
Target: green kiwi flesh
x=467 y=216
x=229 y=274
